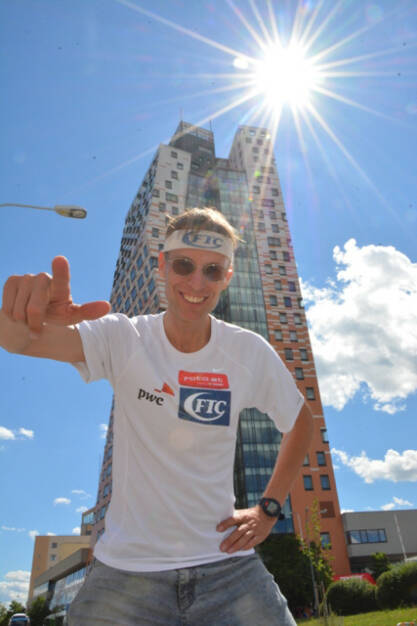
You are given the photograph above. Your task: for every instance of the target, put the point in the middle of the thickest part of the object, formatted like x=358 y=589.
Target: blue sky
x=90 y=89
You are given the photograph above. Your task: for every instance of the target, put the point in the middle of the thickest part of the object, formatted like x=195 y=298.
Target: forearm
x=293 y=449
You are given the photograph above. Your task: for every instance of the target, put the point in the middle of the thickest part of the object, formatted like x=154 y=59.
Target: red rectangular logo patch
x=205 y=380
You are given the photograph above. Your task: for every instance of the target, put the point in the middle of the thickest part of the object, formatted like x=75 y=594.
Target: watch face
x=270 y=506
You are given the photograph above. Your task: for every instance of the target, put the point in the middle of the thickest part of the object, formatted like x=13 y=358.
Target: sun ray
x=243 y=19
x=335 y=96
x=310 y=23
x=322 y=26
x=182 y=29
x=363 y=57
x=260 y=21
x=347 y=154
x=275 y=34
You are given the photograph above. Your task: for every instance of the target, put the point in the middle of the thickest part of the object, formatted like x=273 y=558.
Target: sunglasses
x=183 y=266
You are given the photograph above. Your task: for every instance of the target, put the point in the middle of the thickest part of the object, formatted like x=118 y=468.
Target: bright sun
x=285 y=76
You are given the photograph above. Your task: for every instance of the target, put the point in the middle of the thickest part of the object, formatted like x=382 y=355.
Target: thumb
x=91 y=310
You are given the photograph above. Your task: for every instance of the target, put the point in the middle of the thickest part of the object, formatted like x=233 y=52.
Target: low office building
x=391 y=532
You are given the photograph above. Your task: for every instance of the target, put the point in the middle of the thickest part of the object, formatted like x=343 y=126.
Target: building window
x=275 y=228
x=155 y=232
x=291 y=285
x=261 y=226
x=273 y=300
x=168 y=184
x=256 y=189
x=274 y=191
x=303 y=354
x=255 y=150
x=277 y=285
x=377 y=535
x=278 y=334
x=283 y=318
x=155 y=193
x=285 y=256
x=306 y=460
x=321 y=458
x=300 y=303
x=310 y=393
x=174 y=154
x=174 y=174
x=268 y=202
x=268 y=268
x=325 y=540
x=273 y=255
x=293 y=335
x=287 y=301
x=297 y=319
x=324 y=437
x=308 y=482
x=180 y=166
x=273 y=241
x=288 y=354
x=171 y=197
x=272 y=214
x=325 y=482
x=53 y=557
x=174 y=210
x=283 y=217
x=299 y=374
x=139 y=262
x=140 y=281
x=282 y=270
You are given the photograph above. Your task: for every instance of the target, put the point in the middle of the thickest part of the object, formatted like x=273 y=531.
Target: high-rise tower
x=264 y=295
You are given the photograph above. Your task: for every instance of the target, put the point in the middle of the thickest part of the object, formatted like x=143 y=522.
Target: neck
x=187 y=336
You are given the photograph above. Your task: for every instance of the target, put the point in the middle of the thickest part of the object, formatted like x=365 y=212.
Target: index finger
x=60 y=285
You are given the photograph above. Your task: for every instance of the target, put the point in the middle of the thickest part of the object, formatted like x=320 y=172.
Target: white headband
x=200 y=239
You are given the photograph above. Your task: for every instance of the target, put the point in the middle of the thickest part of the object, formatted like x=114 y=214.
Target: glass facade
x=243 y=304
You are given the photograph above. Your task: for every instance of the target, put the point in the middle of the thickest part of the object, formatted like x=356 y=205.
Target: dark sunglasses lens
x=183 y=267
x=214 y=272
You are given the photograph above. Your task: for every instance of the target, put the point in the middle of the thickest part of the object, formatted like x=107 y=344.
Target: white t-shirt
x=174 y=434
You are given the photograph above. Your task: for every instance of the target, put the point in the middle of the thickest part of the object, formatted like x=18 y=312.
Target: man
x=175 y=551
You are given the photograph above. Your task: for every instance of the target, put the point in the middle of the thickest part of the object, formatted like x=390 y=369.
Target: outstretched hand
x=252 y=527
x=42 y=298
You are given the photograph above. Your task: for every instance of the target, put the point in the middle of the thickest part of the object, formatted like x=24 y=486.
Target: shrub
x=398 y=586
x=351 y=596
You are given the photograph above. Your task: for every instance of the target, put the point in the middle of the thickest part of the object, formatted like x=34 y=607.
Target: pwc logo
x=150 y=397
x=206 y=406
x=203 y=240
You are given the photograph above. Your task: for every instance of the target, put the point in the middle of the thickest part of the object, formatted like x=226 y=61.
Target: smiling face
x=193 y=296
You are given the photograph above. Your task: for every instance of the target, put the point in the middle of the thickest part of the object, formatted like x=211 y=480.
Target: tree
x=4 y=615
x=284 y=559
x=318 y=554
x=38 y=610
x=380 y=564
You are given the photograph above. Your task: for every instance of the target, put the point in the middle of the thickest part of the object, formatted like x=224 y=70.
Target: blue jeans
x=238 y=591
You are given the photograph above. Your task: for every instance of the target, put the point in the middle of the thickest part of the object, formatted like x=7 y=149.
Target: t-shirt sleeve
x=275 y=391
x=107 y=344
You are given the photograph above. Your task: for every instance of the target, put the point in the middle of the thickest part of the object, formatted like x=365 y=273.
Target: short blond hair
x=208 y=218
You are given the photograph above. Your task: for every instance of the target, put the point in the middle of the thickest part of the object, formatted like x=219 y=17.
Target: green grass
x=375 y=618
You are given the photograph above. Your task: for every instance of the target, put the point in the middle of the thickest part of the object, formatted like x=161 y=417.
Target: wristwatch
x=270 y=507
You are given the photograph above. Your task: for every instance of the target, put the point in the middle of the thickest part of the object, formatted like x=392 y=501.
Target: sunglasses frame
x=194 y=266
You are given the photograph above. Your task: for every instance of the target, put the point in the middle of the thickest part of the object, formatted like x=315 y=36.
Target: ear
x=228 y=277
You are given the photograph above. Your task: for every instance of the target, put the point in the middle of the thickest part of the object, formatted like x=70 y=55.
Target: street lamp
x=66 y=210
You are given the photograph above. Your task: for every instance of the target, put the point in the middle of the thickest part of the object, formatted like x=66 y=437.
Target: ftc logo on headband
x=202 y=239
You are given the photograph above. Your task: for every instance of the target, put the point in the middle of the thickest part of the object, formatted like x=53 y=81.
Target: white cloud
x=396 y=502
x=13 y=529
x=26 y=433
x=363 y=327
x=51 y=534
x=81 y=509
x=103 y=428
x=76 y=530
x=33 y=533
x=347 y=510
x=5 y=433
x=395 y=467
x=15 y=586
x=62 y=501
x=80 y=492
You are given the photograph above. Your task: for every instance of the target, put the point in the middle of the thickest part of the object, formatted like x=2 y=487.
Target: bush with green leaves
x=351 y=596
x=398 y=586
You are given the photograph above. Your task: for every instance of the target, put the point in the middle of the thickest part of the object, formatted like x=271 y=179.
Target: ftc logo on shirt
x=205 y=399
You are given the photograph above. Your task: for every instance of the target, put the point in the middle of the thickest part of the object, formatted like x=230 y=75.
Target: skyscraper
x=264 y=296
